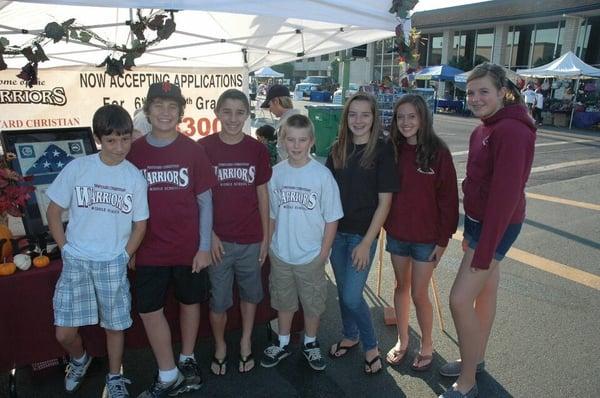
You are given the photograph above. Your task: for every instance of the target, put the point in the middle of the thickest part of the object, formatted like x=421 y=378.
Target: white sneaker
x=75 y=372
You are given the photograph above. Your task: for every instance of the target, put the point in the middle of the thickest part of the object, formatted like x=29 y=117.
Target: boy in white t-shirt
x=305 y=207
x=105 y=196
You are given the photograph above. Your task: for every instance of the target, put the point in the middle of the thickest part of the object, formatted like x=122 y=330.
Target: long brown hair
x=497 y=75
x=428 y=141
x=342 y=147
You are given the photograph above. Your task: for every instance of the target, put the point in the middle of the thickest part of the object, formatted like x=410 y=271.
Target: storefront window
x=521 y=47
x=544 y=44
x=434 y=56
x=484 y=46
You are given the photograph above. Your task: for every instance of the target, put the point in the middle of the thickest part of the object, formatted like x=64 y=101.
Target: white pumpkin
x=22 y=261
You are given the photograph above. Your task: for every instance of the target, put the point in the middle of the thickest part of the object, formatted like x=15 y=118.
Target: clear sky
x=431 y=4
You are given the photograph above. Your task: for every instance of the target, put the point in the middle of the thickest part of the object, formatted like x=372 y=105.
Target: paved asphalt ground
x=545 y=341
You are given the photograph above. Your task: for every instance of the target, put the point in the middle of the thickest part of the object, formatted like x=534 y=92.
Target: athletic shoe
x=75 y=372
x=115 y=387
x=312 y=353
x=192 y=377
x=160 y=389
x=273 y=354
x=452 y=369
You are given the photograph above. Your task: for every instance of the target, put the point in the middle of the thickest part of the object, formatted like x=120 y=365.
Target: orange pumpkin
x=7 y=269
x=6 y=245
x=41 y=261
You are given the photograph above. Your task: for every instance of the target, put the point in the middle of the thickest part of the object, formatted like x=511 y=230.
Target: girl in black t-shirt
x=365 y=170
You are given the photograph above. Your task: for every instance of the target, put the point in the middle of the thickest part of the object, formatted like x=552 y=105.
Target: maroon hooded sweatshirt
x=425 y=210
x=500 y=157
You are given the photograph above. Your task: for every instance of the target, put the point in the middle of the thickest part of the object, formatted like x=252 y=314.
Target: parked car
x=315 y=83
x=353 y=88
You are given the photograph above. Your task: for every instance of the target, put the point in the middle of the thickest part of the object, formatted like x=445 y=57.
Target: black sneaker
x=273 y=354
x=192 y=377
x=160 y=389
x=312 y=353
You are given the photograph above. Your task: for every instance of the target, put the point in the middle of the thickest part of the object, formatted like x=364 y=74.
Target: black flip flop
x=221 y=363
x=244 y=361
x=370 y=365
x=339 y=347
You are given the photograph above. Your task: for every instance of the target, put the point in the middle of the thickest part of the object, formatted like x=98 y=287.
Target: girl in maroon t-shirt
x=423 y=217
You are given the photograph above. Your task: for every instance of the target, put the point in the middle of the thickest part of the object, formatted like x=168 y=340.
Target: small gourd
x=7 y=269
x=41 y=261
x=22 y=261
x=6 y=249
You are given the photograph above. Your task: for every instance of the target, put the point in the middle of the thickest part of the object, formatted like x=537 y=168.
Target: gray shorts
x=242 y=261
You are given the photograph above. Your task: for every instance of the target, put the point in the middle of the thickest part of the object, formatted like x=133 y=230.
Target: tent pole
x=576 y=88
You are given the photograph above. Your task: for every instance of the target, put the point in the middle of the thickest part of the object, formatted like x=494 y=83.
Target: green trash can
x=326 y=119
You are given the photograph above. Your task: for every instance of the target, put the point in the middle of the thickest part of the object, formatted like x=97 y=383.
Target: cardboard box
x=561 y=119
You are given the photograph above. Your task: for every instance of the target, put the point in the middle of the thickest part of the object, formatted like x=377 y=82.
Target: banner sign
x=68 y=97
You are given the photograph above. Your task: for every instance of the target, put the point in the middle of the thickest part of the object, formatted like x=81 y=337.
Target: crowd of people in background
x=201 y=215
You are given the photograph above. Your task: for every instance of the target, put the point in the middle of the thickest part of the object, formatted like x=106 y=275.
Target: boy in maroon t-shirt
x=176 y=248
x=241 y=220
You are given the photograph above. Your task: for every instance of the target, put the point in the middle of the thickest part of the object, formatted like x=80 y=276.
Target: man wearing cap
x=280 y=104
x=176 y=247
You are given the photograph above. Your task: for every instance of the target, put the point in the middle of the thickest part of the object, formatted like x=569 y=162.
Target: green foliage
x=287 y=69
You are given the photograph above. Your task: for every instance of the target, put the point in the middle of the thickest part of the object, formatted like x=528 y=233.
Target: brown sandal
x=418 y=359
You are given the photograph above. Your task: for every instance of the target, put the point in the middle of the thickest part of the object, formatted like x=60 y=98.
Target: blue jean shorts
x=417 y=251
x=90 y=292
x=472 y=233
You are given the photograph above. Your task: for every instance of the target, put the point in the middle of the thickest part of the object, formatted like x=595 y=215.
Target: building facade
x=514 y=33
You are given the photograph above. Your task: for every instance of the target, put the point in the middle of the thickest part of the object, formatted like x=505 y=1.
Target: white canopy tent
x=568 y=66
x=267 y=72
x=211 y=33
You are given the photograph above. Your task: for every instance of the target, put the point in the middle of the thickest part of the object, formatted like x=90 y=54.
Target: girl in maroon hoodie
x=500 y=157
x=423 y=217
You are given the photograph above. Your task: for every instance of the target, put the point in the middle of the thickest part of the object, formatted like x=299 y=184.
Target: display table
x=585 y=120
x=27 y=320
x=450 y=105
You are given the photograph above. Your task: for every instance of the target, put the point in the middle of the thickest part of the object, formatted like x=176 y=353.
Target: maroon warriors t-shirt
x=239 y=168
x=175 y=173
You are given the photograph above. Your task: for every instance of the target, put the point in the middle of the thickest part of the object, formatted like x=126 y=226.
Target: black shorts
x=152 y=284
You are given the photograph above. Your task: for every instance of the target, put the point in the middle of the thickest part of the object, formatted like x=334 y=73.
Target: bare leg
x=311 y=325
x=402 y=271
x=284 y=321
x=115 y=341
x=189 y=322
x=421 y=275
x=159 y=336
x=467 y=287
x=485 y=307
x=70 y=340
x=248 y=311
x=218 y=321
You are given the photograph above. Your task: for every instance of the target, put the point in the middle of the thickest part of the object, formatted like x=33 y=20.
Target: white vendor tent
x=267 y=72
x=211 y=33
x=568 y=66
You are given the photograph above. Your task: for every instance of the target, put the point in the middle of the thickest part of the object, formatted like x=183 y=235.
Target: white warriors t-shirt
x=102 y=201
x=302 y=200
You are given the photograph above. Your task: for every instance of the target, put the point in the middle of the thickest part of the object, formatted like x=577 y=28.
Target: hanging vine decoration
x=161 y=22
x=407 y=48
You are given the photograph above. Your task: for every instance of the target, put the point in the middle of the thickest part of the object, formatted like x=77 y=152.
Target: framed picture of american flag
x=40 y=155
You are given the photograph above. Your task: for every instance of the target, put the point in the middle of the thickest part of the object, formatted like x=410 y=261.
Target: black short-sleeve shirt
x=359 y=187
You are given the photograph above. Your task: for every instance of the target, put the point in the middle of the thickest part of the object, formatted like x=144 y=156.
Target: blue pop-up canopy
x=438 y=72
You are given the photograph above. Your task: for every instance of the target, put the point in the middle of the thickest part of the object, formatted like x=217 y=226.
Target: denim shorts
x=472 y=233
x=417 y=251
